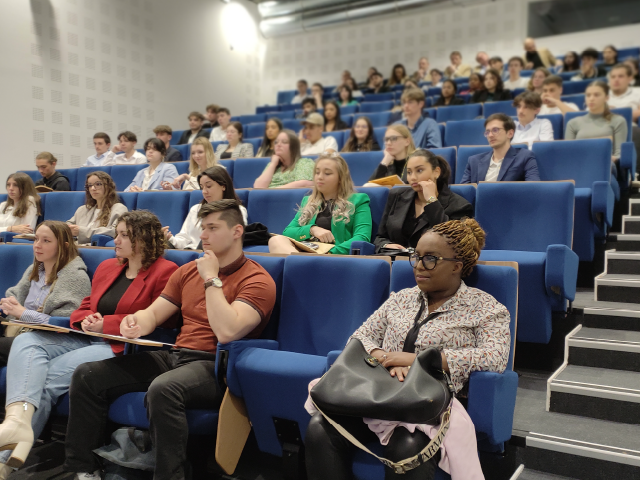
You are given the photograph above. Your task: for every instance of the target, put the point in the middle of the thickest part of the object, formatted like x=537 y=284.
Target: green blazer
x=358 y=228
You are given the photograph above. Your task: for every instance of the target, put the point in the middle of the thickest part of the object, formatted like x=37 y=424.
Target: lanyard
x=412 y=335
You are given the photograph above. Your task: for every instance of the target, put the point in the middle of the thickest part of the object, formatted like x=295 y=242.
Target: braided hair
x=466 y=237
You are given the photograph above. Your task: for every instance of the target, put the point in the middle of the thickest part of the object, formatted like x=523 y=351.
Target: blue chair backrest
x=379 y=133
x=338 y=135
x=449 y=154
x=256 y=142
x=431 y=113
x=246 y=170
x=93 y=257
x=256 y=118
x=170 y=207
x=465 y=132
x=525 y=216
x=62 y=205
x=466 y=191
x=275 y=208
x=72 y=175
x=254 y=130
x=578 y=99
x=434 y=92
x=195 y=197
x=557 y=122
x=372 y=107
x=505 y=107
x=243 y=195
x=308 y=323
x=463 y=158
x=285 y=96
x=627 y=114
x=229 y=165
x=348 y=119
x=123 y=174
x=182 y=167
x=566 y=76
x=461 y=80
x=583 y=161
x=81 y=177
x=3 y=197
x=274 y=267
x=185 y=151
x=268 y=109
x=286 y=115
x=293 y=124
x=129 y=200
x=362 y=165
x=459 y=112
x=287 y=107
x=378 y=200
x=181 y=257
x=378 y=97
x=380 y=119
x=34 y=174
x=14 y=260
x=349 y=109
x=578 y=86
x=175 y=137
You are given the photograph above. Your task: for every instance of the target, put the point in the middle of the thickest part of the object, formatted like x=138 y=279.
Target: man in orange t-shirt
x=223 y=297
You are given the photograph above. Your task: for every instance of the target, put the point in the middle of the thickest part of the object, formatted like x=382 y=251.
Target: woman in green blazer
x=333 y=213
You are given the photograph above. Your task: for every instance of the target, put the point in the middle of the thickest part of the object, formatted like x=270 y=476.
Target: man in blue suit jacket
x=504 y=163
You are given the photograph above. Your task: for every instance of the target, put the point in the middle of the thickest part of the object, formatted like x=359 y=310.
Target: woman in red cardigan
x=41 y=363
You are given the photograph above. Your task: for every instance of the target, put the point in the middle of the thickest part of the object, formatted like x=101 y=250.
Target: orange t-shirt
x=243 y=280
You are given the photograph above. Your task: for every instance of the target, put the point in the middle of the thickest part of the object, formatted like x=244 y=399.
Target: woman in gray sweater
x=53 y=286
x=599 y=121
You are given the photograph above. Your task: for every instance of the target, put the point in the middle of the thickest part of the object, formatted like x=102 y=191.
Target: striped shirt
x=38 y=292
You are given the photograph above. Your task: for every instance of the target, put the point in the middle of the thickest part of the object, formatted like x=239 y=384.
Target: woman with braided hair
x=467 y=325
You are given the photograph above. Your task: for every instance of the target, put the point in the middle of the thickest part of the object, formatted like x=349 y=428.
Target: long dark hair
x=266 y=143
x=615 y=60
x=574 y=65
x=220 y=175
x=27 y=189
x=352 y=143
x=436 y=161
x=338 y=122
x=348 y=89
x=496 y=75
x=393 y=80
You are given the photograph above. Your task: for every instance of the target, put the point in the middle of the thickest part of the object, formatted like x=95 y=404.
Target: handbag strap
x=412 y=334
x=403 y=466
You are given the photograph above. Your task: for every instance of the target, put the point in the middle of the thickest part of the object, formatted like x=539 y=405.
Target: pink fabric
x=459 y=451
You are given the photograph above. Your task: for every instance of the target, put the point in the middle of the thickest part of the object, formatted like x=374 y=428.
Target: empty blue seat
x=229 y=165
x=577 y=99
x=505 y=107
x=14 y=260
x=434 y=92
x=287 y=107
x=449 y=154
x=254 y=130
x=459 y=112
x=378 y=200
x=372 y=107
x=268 y=109
x=578 y=86
x=123 y=174
x=93 y=257
x=466 y=191
x=287 y=115
x=379 y=133
x=349 y=109
x=464 y=132
x=285 y=96
x=175 y=137
x=378 y=97
x=170 y=207
x=338 y=135
x=362 y=165
x=256 y=142
x=62 y=205
x=275 y=208
x=246 y=170
x=380 y=119
x=247 y=119
x=181 y=257
x=292 y=124
x=348 y=119
x=195 y=197
x=557 y=122
x=431 y=113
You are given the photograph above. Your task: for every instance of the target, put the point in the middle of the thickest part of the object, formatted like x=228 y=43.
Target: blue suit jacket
x=165 y=171
x=519 y=164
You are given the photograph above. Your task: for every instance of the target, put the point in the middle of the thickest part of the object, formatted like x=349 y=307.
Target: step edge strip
x=563 y=386
x=603 y=345
x=608 y=340
x=562 y=367
x=584 y=451
x=610 y=311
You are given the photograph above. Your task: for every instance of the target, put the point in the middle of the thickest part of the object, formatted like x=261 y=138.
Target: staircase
x=591 y=427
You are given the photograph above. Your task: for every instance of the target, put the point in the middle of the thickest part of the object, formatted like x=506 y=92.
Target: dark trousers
x=5 y=348
x=174 y=381
x=330 y=456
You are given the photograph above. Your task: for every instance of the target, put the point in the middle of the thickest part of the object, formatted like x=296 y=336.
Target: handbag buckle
x=371 y=361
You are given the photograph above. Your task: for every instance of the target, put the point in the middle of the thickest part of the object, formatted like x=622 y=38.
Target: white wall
x=71 y=68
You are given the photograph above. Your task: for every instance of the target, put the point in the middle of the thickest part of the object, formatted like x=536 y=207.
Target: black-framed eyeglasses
x=429 y=262
x=89 y=186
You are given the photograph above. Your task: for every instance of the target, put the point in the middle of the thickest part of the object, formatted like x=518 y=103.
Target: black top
x=57 y=182
x=323 y=220
x=109 y=301
x=374 y=147
x=456 y=100
x=636 y=83
x=394 y=225
x=210 y=125
x=184 y=138
x=173 y=155
x=396 y=168
x=381 y=89
x=341 y=125
x=483 y=96
x=226 y=155
x=534 y=58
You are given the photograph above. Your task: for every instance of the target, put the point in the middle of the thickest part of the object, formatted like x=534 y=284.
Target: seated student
x=570 y=63
x=436 y=77
x=471 y=332
x=158 y=175
x=19 y=212
x=599 y=122
x=102 y=144
x=493 y=91
x=236 y=148
x=333 y=213
x=425 y=131
x=53 y=286
x=216 y=184
x=476 y=84
x=164 y=133
x=355 y=91
x=409 y=83
x=196 y=119
x=504 y=163
x=219 y=133
x=317 y=91
x=551 y=93
x=101 y=210
x=422 y=74
x=635 y=66
x=46 y=165
x=303 y=92
x=514 y=80
x=362 y=137
x=483 y=63
x=609 y=56
x=398 y=145
x=312 y=142
x=448 y=95
x=222 y=297
x=622 y=93
x=410 y=212
x=332 y=120
x=457 y=69
x=529 y=128
x=537 y=57
x=287 y=169
x=130 y=155
x=398 y=75
x=376 y=84
x=40 y=363
x=537 y=80
x=588 y=67
x=271 y=131
x=202 y=157
x=498 y=65
x=308 y=107
x=211 y=114
x=346 y=96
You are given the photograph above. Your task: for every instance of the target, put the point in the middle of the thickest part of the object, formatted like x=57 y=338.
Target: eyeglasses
x=393 y=139
x=429 y=262
x=493 y=131
x=89 y=186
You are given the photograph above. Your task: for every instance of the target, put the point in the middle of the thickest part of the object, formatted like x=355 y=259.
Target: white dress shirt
x=218 y=135
x=630 y=98
x=494 y=171
x=539 y=129
x=95 y=160
x=189 y=236
x=121 y=159
x=325 y=143
x=546 y=110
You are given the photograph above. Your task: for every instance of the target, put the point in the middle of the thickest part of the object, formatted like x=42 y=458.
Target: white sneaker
x=88 y=476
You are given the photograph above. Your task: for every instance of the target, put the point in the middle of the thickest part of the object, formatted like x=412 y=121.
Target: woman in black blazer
x=494 y=90
x=448 y=95
x=412 y=211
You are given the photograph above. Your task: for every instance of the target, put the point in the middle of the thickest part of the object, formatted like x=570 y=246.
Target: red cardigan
x=142 y=292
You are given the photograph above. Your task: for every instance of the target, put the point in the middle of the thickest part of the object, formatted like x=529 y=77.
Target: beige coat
x=86 y=219
x=463 y=70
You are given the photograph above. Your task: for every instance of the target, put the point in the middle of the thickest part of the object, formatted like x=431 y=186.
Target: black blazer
x=449 y=206
x=456 y=100
x=483 y=95
x=184 y=138
x=173 y=155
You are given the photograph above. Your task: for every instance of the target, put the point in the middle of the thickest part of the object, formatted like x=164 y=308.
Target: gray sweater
x=593 y=126
x=72 y=287
x=86 y=219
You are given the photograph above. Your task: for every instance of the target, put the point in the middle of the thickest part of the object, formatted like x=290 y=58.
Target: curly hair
x=144 y=228
x=466 y=237
x=110 y=196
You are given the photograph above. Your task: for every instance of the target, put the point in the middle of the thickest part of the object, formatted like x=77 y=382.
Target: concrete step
x=634 y=206
x=631 y=224
x=617 y=288
x=609 y=349
x=612 y=318
x=628 y=243
x=622 y=263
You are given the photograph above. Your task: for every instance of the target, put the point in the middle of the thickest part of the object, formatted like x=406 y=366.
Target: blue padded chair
x=629 y=52
x=349 y=109
x=72 y=175
x=290 y=107
x=286 y=115
x=566 y=76
x=175 y=137
x=185 y=151
x=62 y=205
x=431 y=113
x=338 y=135
x=505 y=107
x=588 y=164
x=557 y=122
x=293 y=124
x=275 y=208
x=380 y=119
x=81 y=177
x=578 y=86
x=34 y=174
x=379 y=133
x=123 y=174
x=466 y=191
x=14 y=260
x=449 y=154
x=182 y=167
x=348 y=119
x=268 y=109
x=532 y=223
x=195 y=197
x=578 y=99
x=464 y=132
x=378 y=200
x=374 y=107
x=229 y=165
x=378 y=97
x=93 y=257
x=170 y=207
x=461 y=80
x=254 y=130
x=285 y=96
x=181 y=257
x=434 y=92
x=526 y=73
x=362 y=165
x=246 y=170
x=129 y=200
x=256 y=142
x=256 y=118
x=459 y=112
x=463 y=158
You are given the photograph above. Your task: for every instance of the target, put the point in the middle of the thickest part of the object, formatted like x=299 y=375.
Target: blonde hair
x=194 y=169
x=406 y=134
x=342 y=208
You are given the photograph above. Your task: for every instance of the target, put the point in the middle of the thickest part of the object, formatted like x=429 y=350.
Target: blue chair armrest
x=492 y=401
x=561 y=271
x=60 y=321
x=331 y=357
x=628 y=158
x=7 y=236
x=365 y=248
x=100 y=240
x=602 y=200
x=227 y=355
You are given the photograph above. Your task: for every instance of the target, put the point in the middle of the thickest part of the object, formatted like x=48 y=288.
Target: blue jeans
x=40 y=368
